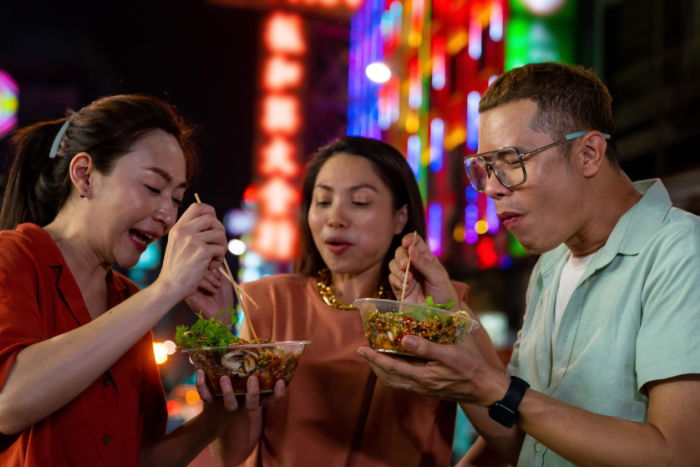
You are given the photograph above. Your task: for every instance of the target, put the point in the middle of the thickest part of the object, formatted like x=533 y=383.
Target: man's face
x=546 y=210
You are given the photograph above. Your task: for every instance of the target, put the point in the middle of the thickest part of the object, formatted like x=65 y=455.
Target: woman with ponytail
x=78 y=381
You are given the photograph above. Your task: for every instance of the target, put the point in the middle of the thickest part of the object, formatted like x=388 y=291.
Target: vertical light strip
x=437 y=144
x=435 y=228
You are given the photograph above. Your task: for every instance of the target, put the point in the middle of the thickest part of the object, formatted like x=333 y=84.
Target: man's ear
x=81 y=169
x=400 y=219
x=592 y=153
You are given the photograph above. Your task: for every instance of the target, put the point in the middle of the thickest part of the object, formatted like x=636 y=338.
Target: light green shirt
x=633 y=318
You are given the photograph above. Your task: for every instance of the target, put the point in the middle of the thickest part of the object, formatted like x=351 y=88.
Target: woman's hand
x=214 y=293
x=228 y=404
x=425 y=277
x=196 y=246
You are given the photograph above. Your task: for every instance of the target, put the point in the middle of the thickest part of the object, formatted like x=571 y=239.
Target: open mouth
x=509 y=219
x=140 y=236
x=337 y=245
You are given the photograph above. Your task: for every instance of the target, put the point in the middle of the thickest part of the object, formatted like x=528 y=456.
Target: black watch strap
x=505 y=411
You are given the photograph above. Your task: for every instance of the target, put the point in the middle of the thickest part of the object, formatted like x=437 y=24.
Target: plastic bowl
x=269 y=362
x=386 y=322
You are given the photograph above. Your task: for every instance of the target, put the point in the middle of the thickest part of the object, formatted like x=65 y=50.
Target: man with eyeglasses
x=606 y=368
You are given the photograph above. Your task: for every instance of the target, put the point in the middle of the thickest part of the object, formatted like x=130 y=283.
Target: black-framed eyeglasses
x=507 y=164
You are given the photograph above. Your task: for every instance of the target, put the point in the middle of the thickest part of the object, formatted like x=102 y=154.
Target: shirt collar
x=45 y=248
x=632 y=232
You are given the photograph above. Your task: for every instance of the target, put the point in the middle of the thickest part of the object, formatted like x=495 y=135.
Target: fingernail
x=362 y=352
x=409 y=342
x=225 y=383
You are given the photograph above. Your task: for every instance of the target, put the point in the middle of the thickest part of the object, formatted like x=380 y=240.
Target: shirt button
x=106 y=439
x=106 y=382
x=539 y=447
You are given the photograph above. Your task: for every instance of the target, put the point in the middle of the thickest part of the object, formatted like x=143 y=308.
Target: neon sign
x=276 y=189
x=8 y=103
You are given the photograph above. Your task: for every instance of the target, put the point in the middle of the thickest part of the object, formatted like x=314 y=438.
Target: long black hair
x=38 y=185
x=390 y=166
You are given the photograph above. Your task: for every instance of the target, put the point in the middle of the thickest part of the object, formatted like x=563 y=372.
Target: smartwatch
x=505 y=411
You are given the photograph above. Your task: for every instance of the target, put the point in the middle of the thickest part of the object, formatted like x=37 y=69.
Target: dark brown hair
x=569 y=98
x=38 y=186
x=394 y=171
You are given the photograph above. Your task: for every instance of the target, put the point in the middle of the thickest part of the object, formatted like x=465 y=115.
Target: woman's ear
x=81 y=169
x=400 y=219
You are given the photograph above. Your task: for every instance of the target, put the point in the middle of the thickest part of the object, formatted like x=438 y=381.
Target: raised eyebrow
x=166 y=176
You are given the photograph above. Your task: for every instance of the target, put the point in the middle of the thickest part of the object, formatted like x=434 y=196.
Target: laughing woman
x=78 y=381
x=359 y=200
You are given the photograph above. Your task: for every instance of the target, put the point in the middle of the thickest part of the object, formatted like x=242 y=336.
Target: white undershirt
x=570 y=274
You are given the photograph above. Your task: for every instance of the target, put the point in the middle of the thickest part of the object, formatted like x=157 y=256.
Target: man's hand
x=425 y=277
x=451 y=372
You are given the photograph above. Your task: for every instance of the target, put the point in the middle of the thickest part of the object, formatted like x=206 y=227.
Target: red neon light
x=278 y=158
x=281 y=114
x=278 y=198
x=275 y=235
x=284 y=33
x=281 y=73
x=277 y=238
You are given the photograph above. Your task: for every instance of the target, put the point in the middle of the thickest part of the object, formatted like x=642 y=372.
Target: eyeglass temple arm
x=578 y=134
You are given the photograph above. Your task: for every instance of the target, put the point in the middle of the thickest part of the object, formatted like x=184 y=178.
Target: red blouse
x=105 y=425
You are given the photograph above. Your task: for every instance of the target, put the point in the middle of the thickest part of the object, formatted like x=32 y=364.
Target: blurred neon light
x=160 y=352
x=277 y=238
x=236 y=246
x=415 y=88
x=378 y=72
x=274 y=235
x=8 y=103
x=278 y=197
x=281 y=114
x=474 y=39
x=437 y=143
x=435 y=228
x=281 y=73
x=417 y=22
x=413 y=153
x=438 y=78
x=284 y=33
x=492 y=216
x=278 y=158
x=473 y=120
x=496 y=23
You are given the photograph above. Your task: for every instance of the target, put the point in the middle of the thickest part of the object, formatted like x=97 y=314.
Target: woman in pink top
x=359 y=200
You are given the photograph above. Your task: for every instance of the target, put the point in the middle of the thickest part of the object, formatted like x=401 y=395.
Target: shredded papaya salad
x=212 y=347
x=384 y=330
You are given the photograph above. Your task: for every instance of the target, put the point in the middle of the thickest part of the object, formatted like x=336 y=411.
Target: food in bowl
x=213 y=348
x=386 y=322
x=268 y=361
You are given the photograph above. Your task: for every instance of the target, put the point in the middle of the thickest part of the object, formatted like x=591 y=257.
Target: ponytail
x=37 y=186
x=39 y=182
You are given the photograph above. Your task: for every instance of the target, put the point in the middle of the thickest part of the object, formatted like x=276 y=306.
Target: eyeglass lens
x=504 y=163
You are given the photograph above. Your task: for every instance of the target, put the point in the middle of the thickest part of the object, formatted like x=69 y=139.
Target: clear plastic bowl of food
x=269 y=362
x=386 y=322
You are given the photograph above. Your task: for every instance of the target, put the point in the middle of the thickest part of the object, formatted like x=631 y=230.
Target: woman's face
x=138 y=201
x=351 y=216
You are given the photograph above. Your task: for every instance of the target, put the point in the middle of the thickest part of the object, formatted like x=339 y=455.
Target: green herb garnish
x=206 y=333
x=445 y=306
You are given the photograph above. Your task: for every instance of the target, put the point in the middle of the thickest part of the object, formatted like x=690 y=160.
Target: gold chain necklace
x=327 y=292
